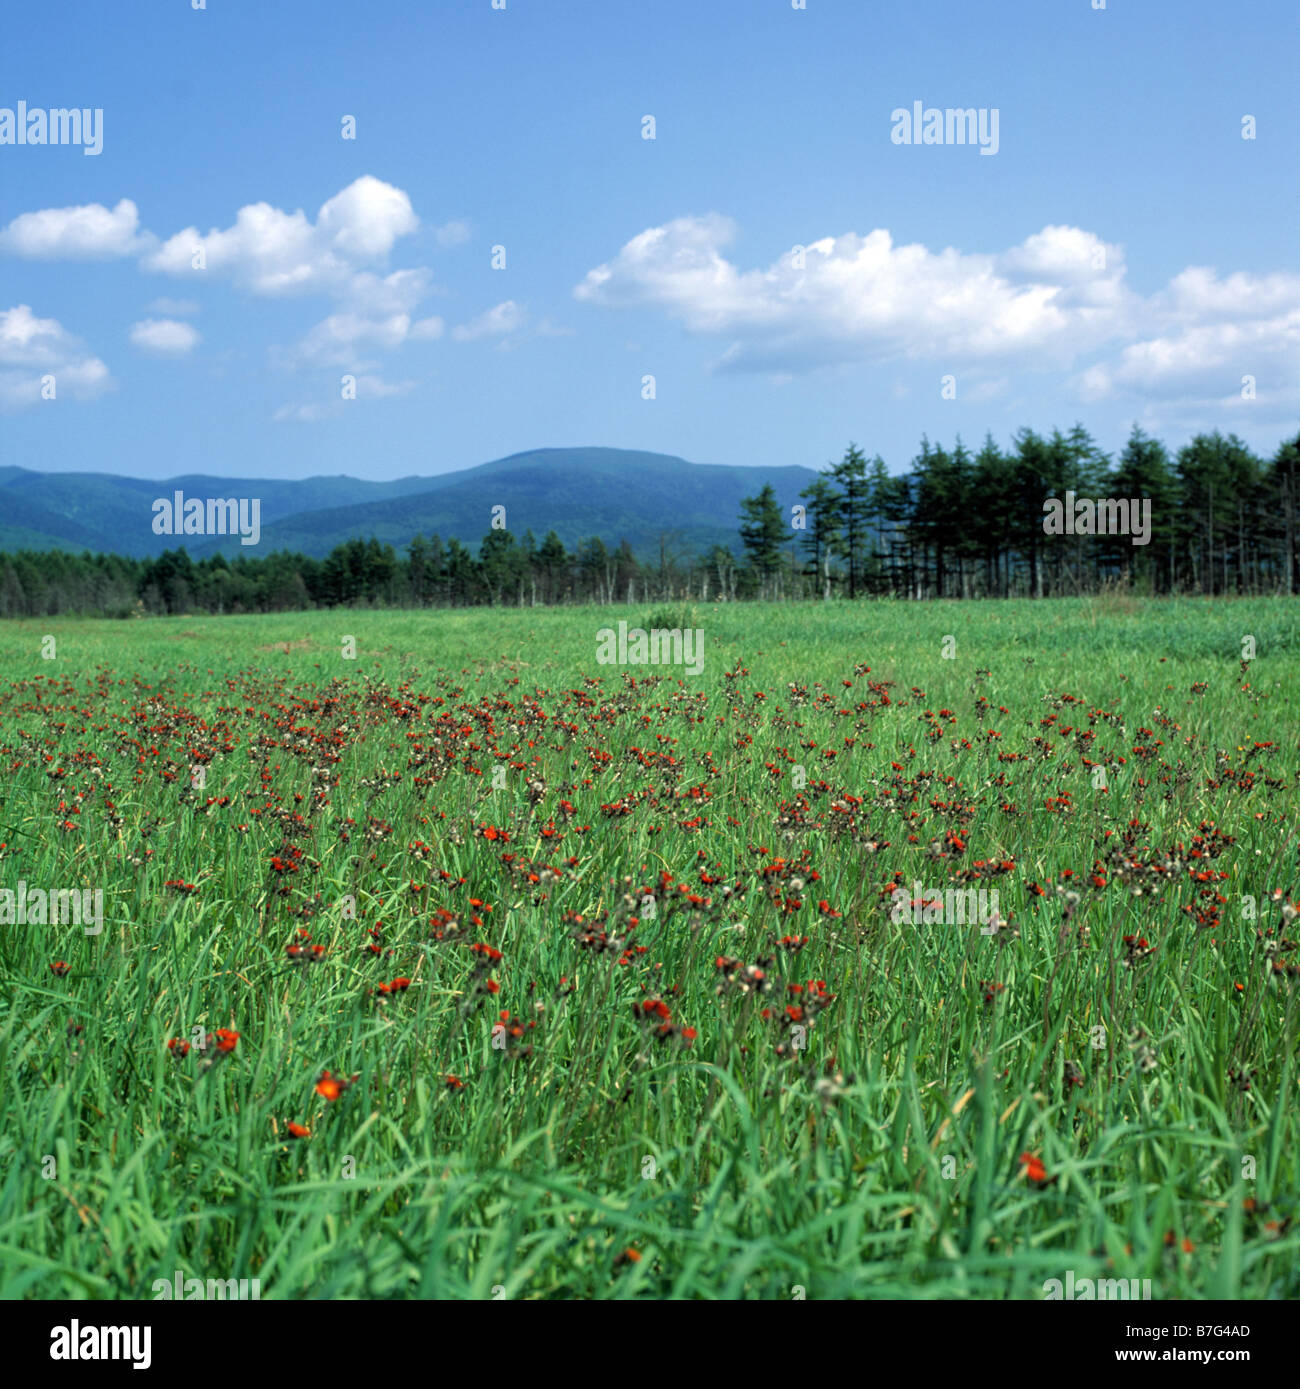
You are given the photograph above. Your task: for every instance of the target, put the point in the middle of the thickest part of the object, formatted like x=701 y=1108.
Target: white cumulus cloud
x=1058 y=300
x=498 y=322
x=33 y=349
x=857 y=297
x=165 y=336
x=272 y=252
x=90 y=232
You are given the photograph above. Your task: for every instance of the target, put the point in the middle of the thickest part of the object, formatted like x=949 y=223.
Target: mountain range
x=616 y=494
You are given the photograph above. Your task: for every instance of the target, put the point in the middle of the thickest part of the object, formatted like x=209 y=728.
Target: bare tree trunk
x=1241 y=551
x=1289 y=508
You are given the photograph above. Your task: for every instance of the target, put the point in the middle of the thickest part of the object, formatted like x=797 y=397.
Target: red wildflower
x=1033 y=1168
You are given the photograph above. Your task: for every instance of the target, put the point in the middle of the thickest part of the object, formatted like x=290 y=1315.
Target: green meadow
x=579 y=980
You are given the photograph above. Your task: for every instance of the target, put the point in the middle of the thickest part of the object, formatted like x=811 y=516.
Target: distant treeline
x=1223 y=520
x=960 y=525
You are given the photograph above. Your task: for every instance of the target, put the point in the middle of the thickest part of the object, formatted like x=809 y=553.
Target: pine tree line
x=962 y=525
x=359 y=573
x=957 y=525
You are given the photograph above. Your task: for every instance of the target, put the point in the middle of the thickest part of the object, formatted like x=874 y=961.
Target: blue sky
x=1124 y=256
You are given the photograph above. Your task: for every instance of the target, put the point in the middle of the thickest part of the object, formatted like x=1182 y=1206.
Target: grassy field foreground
x=491 y=971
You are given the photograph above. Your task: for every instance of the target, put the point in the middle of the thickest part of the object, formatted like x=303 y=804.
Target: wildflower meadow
x=462 y=955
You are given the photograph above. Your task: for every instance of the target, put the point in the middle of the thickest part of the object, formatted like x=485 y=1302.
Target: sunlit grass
x=882 y=1159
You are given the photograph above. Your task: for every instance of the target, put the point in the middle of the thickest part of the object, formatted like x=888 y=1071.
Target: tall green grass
x=882 y=1160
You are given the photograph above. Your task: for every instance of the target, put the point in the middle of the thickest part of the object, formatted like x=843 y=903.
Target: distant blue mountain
x=616 y=494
